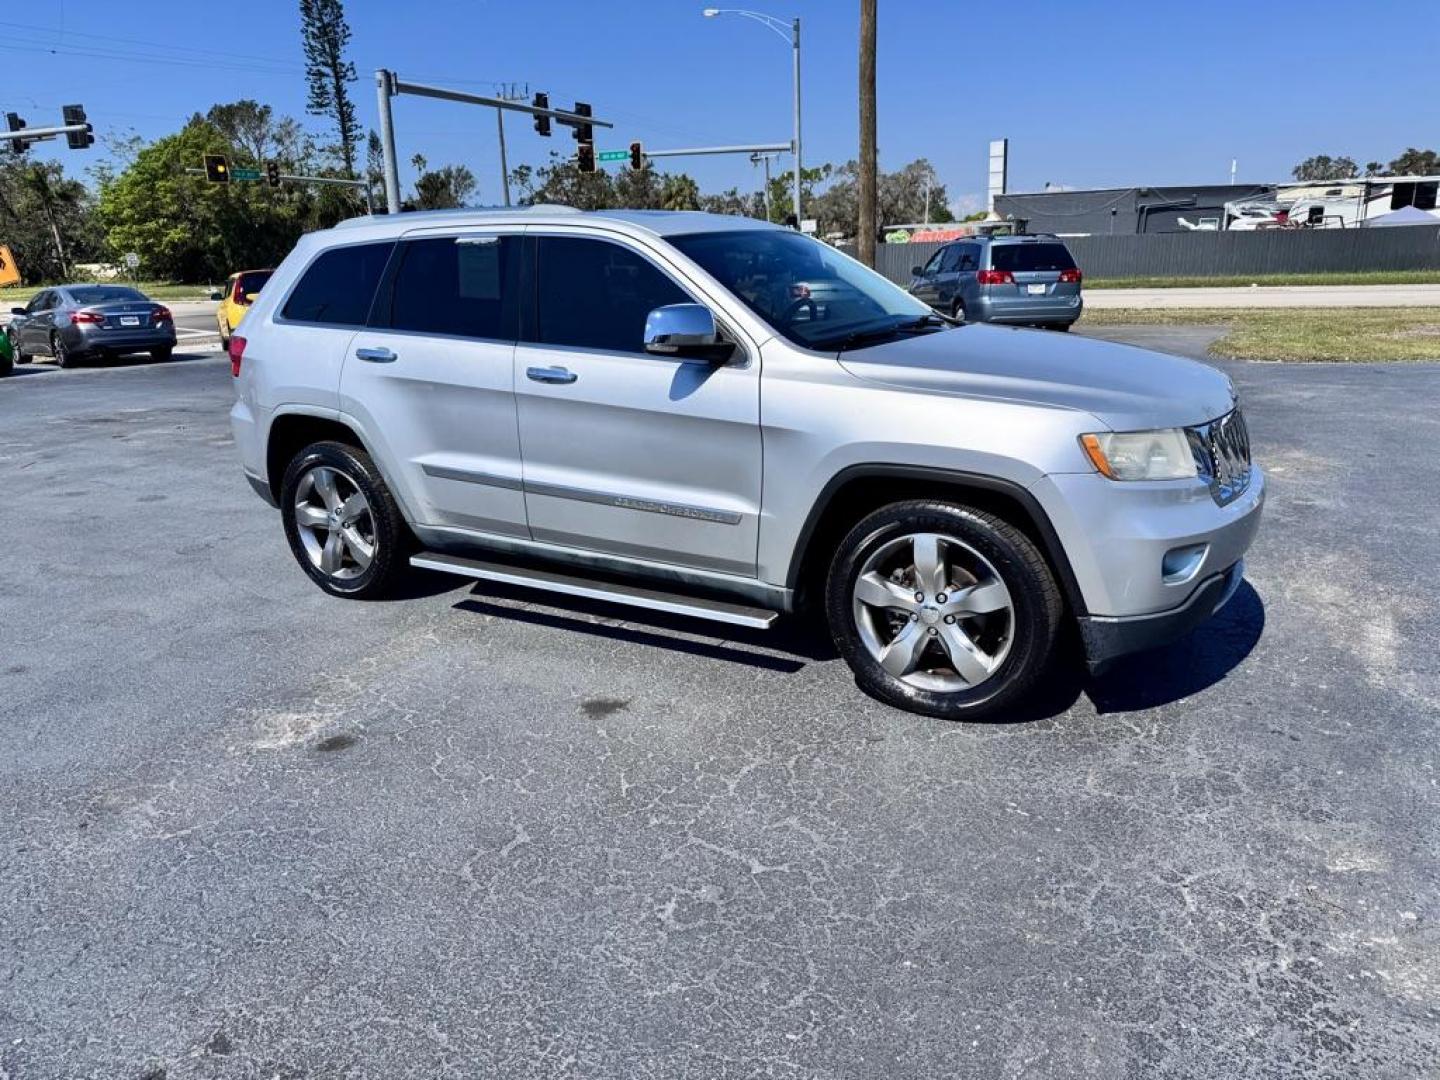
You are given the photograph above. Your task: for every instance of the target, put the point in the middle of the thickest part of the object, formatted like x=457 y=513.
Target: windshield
x=805 y=290
x=103 y=294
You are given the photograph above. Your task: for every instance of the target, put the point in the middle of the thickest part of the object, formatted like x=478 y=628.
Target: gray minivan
x=1029 y=280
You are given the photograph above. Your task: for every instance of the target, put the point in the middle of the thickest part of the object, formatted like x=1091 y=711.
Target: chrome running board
x=590 y=589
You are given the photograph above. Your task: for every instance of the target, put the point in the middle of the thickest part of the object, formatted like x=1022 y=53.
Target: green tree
x=679 y=192
x=44 y=217
x=442 y=189
x=254 y=129
x=1415 y=162
x=1322 y=167
x=324 y=35
x=782 y=194
x=731 y=201
x=561 y=181
x=188 y=229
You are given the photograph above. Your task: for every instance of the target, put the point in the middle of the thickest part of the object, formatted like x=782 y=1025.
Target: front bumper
x=1106 y=638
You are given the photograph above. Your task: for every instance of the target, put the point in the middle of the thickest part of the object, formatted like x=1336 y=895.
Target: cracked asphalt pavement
x=250 y=831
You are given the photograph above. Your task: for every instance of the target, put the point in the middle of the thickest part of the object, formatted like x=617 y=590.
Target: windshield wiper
x=855 y=337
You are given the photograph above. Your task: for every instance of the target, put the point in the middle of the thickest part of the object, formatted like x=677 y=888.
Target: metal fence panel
x=1216 y=254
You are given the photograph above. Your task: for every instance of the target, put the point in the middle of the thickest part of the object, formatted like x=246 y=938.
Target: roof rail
x=460 y=211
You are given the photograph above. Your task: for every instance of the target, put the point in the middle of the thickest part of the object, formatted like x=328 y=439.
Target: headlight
x=1141 y=455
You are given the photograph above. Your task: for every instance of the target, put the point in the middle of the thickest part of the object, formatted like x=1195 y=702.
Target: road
x=249 y=831
x=1268 y=296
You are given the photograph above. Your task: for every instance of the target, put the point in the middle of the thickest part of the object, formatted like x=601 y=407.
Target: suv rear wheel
x=344 y=526
x=942 y=609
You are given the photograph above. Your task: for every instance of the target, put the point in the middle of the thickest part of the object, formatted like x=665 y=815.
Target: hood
x=1126 y=388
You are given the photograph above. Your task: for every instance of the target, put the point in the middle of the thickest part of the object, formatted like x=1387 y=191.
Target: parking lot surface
x=247 y=830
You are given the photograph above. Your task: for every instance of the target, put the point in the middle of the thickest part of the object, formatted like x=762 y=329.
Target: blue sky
x=1089 y=93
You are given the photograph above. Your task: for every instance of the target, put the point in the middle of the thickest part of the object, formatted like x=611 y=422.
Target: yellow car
x=236 y=298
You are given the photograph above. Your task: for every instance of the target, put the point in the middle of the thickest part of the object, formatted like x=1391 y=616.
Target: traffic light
x=14 y=123
x=583 y=132
x=585 y=157
x=217 y=169
x=77 y=140
x=272 y=173
x=637 y=156
x=542 y=123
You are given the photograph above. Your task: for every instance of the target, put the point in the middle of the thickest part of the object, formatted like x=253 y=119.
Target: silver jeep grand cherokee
x=714 y=417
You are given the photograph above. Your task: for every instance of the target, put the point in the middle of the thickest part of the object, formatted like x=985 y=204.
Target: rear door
x=648 y=457
x=431 y=379
x=1036 y=268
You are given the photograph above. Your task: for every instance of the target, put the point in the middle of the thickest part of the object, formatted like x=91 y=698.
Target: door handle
x=376 y=356
x=551 y=374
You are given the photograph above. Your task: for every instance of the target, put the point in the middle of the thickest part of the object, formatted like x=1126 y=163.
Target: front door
x=625 y=452
x=431 y=380
x=925 y=287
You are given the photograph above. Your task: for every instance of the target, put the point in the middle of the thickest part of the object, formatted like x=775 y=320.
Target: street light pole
x=791 y=33
x=796 y=38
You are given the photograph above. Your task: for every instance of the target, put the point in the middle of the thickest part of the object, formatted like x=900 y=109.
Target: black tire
x=1062 y=327
x=7 y=365
x=162 y=354
x=1034 y=620
x=390 y=535
x=21 y=356
x=63 y=357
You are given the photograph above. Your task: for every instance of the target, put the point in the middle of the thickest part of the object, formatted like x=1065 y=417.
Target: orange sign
x=9 y=272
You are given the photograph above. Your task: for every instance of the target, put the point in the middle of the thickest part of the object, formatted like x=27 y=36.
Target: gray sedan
x=71 y=322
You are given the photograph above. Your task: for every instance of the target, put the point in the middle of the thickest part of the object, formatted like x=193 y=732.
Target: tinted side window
x=951 y=261
x=338 y=287
x=1031 y=257
x=596 y=294
x=969 y=257
x=933 y=266
x=456 y=285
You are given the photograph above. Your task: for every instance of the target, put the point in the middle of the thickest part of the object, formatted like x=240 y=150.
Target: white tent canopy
x=1406 y=215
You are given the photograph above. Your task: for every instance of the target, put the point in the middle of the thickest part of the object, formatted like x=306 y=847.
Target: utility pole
x=758 y=159
x=865 y=241
x=507 y=92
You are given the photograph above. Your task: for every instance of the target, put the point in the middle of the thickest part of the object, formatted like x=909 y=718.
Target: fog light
x=1182 y=563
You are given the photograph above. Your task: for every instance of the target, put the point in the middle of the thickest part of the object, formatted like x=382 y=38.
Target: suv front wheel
x=943 y=609
x=344 y=526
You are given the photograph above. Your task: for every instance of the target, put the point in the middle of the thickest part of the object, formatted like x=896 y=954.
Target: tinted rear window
x=254 y=281
x=1030 y=257
x=456 y=286
x=104 y=294
x=338 y=287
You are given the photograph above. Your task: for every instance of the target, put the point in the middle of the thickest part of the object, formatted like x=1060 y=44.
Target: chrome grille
x=1222 y=455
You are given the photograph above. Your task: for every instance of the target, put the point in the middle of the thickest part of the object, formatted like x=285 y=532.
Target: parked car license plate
x=129 y=320
x=1035 y=290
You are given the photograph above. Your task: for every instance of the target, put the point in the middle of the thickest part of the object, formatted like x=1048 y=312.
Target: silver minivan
x=1024 y=280
x=714 y=417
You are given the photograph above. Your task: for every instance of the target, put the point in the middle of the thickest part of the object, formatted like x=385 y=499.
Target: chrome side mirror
x=686 y=330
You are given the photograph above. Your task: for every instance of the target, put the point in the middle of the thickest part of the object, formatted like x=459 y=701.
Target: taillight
x=237 y=354
x=78 y=317
x=995 y=277
x=161 y=314
x=1071 y=276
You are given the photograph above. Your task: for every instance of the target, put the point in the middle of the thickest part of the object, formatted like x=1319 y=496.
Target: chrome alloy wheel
x=335 y=523
x=933 y=612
